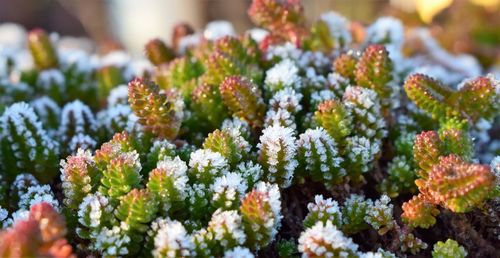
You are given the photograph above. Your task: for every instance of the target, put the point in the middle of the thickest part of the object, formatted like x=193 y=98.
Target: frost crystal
x=283 y=74
x=239 y=252
x=386 y=30
x=171 y=240
x=277 y=152
x=325 y=240
x=218 y=29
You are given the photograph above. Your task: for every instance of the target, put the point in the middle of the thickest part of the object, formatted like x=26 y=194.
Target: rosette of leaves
x=323 y=210
x=448 y=249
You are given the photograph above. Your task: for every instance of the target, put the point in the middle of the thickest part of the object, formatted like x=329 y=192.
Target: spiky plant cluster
x=219 y=145
x=447 y=177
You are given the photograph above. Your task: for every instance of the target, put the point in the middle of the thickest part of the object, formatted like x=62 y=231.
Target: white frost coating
x=16 y=216
x=114 y=241
x=77 y=58
x=37 y=194
x=364 y=103
x=117 y=58
x=229 y=187
x=370 y=255
x=281 y=117
x=366 y=97
x=76 y=117
x=176 y=169
x=496 y=84
x=206 y=161
x=313 y=79
x=495 y=167
x=239 y=252
x=338 y=26
x=272 y=196
x=319 y=142
x=277 y=141
x=189 y=41
x=48 y=78
x=20 y=114
x=283 y=74
x=386 y=30
x=318 y=240
x=319 y=96
x=439 y=73
x=92 y=209
x=325 y=209
x=81 y=141
x=171 y=239
x=252 y=172
x=464 y=64
x=316 y=59
x=237 y=125
x=114 y=118
x=258 y=34
x=137 y=68
x=227 y=226
x=22 y=183
x=118 y=95
x=285 y=51
x=79 y=159
x=288 y=99
x=218 y=29
x=12 y=36
x=379 y=214
x=44 y=105
x=3 y=214
x=362 y=150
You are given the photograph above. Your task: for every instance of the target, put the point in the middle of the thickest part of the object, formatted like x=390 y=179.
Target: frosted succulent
x=304 y=136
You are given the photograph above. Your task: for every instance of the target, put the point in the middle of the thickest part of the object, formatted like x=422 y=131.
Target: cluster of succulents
x=287 y=140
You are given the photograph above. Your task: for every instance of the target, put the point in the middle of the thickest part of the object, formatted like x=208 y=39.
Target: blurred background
x=471 y=26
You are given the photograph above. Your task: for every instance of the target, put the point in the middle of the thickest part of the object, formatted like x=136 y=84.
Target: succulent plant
x=287 y=140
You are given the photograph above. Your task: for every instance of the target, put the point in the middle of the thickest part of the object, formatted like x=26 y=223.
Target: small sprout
x=419 y=213
x=323 y=210
x=448 y=249
x=171 y=239
x=379 y=215
x=325 y=240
